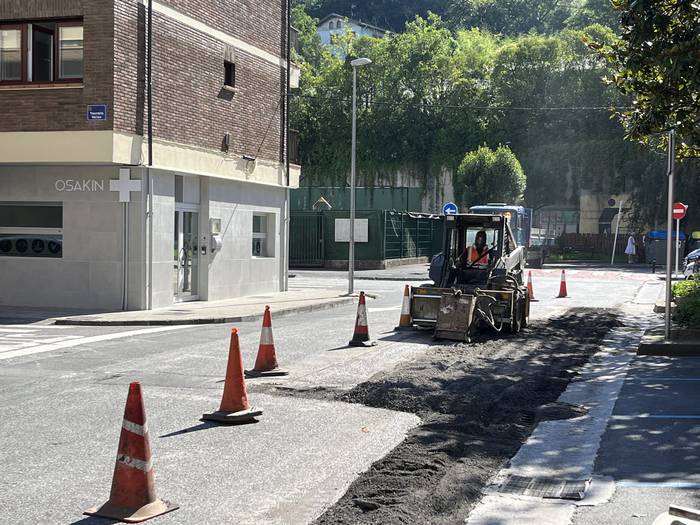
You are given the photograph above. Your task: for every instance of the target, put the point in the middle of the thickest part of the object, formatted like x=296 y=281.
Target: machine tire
x=525 y=321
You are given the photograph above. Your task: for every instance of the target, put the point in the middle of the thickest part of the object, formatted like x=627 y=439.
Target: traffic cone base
x=242 y=416
x=275 y=372
x=146 y=512
x=365 y=344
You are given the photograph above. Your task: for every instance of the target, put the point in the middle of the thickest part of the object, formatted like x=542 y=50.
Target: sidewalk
x=249 y=308
x=409 y=272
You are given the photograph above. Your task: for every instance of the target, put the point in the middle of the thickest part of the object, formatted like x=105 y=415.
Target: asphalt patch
x=478 y=402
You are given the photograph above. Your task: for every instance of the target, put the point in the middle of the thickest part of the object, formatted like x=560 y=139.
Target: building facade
x=107 y=202
x=335 y=24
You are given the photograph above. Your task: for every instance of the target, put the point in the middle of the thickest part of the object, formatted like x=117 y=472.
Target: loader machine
x=469 y=293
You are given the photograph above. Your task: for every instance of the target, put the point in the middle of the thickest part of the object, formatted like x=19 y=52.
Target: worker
x=477 y=254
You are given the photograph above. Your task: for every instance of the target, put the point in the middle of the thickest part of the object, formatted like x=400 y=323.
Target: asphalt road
x=62 y=392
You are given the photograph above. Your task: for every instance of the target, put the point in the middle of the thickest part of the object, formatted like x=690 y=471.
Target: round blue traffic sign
x=449 y=208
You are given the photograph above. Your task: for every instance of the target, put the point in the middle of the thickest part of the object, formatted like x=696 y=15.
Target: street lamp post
x=359 y=62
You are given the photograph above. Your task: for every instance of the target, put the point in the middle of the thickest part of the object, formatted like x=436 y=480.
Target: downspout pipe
x=287 y=86
x=149 y=182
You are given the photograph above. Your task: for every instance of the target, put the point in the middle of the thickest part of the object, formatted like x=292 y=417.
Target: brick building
x=97 y=212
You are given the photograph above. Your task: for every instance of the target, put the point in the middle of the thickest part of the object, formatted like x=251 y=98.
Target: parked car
x=691 y=265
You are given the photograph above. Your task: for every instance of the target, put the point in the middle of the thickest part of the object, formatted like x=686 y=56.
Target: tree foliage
x=655 y=63
x=487 y=175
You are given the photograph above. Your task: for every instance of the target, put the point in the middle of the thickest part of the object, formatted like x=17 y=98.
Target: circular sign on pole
x=679 y=210
x=450 y=208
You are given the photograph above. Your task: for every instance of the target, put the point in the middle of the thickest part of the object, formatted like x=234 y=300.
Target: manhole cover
x=545 y=487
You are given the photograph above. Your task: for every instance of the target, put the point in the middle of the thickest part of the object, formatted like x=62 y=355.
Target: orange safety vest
x=474 y=256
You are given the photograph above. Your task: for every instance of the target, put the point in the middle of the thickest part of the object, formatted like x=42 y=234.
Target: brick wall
x=189 y=105
x=64 y=109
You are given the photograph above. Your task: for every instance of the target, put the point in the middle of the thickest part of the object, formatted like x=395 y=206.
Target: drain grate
x=573 y=489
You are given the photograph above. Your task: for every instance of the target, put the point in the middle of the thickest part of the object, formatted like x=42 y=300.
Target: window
x=229 y=74
x=330 y=25
x=41 y=52
x=339 y=24
x=261 y=236
x=31 y=230
x=10 y=54
x=70 y=52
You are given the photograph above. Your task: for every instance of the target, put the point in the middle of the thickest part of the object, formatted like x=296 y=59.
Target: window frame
x=23 y=26
x=262 y=236
x=22 y=55
x=57 y=51
x=34 y=230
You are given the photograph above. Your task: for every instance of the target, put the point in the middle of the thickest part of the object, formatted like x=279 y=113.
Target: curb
x=327 y=305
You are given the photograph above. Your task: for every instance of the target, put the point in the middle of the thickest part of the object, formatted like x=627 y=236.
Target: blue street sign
x=97 y=112
x=450 y=208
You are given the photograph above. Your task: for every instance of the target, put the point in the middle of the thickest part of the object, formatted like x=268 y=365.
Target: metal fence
x=391 y=235
x=409 y=235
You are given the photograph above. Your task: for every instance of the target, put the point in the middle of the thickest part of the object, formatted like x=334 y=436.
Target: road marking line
x=657 y=484
x=630 y=417
x=664 y=379
x=19 y=330
x=384 y=309
x=90 y=339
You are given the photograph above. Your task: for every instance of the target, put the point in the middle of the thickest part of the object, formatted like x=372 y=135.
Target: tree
x=487 y=175
x=512 y=17
x=655 y=63
x=311 y=49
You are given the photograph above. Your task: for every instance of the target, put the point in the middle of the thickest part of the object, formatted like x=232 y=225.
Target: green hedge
x=687 y=297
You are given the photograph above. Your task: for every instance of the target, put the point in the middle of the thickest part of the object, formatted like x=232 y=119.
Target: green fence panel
x=306 y=240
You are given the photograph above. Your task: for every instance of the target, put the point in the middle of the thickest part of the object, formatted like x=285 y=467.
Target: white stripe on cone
x=135 y=428
x=139 y=464
x=266 y=336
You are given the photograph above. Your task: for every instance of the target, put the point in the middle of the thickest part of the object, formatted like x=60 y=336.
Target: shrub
x=687 y=294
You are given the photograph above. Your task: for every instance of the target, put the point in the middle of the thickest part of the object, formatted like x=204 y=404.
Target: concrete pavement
x=65 y=405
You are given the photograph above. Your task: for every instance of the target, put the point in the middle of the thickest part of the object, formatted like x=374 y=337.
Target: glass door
x=186 y=255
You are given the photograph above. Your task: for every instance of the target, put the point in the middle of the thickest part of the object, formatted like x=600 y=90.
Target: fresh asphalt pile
x=478 y=403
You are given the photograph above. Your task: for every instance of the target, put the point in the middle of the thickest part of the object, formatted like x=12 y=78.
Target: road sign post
x=679 y=210
x=449 y=208
x=669 y=227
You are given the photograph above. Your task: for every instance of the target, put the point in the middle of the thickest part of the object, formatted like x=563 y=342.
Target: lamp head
x=358 y=62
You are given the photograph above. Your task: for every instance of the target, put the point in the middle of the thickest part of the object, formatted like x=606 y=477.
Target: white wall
x=89 y=275
x=233 y=271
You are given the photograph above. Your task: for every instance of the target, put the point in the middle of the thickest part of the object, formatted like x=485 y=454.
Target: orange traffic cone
x=133 y=495
x=405 y=319
x=361 y=335
x=562 y=286
x=530 y=291
x=266 y=362
x=234 y=403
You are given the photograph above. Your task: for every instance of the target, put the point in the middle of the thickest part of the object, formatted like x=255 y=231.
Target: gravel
x=478 y=403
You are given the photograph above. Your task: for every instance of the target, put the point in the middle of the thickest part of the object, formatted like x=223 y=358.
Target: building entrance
x=186 y=255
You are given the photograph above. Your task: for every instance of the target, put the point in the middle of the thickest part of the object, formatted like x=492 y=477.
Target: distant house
x=335 y=24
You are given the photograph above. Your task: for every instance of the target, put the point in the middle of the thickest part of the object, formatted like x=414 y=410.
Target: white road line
x=18 y=330
x=88 y=340
x=388 y=308
x=657 y=484
x=652 y=379
x=632 y=417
